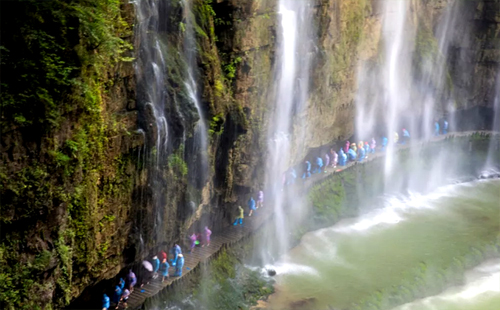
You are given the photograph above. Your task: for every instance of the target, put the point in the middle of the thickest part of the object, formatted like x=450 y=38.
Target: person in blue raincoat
x=251 y=206
x=307 y=167
x=121 y=283
x=178 y=267
x=406 y=136
x=367 y=149
x=117 y=294
x=384 y=143
x=175 y=251
x=342 y=158
x=361 y=152
x=105 y=302
x=436 y=128
x=164 y=266
x=445 y=127
x=319 y=165
x=351 y=154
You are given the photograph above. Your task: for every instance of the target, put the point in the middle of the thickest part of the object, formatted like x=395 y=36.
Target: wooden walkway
x=233 y=234
x=227 y=236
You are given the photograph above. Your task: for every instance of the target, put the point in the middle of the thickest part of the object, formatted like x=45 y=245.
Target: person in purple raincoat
x=373 y=145
x=208 y=233
x=335 y=158
x=193 y=239
x=132 y=280
x=327 y=161
x=260 y=199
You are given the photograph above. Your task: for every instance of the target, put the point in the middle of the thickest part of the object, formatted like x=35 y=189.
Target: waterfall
x=201 y=129
x=291 y=95
x=150 y=71
x=408 y=87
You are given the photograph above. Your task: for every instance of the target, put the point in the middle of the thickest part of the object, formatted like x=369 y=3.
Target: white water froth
x=481 y=280
x=398 y=209
x=295 y=269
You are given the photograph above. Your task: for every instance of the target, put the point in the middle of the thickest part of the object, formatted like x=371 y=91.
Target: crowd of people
x=252 y=206
x=156 y=269
x=349 y=152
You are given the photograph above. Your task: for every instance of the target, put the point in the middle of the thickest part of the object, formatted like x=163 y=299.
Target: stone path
x=233 y=234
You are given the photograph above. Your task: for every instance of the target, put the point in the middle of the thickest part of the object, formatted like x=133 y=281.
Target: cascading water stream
x=413 y=91
x=201 y=130
x=150 y=71
x=291 y=91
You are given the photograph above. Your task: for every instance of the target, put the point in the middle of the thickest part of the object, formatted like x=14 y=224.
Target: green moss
x=177 y=164
x=59 y=55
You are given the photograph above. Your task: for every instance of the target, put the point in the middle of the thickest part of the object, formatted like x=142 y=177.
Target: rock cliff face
x=81 y=197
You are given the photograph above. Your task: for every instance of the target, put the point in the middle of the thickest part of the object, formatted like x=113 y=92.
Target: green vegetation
x=176 y=163
x=59 y=57
x=216 y=125
x=230 y=68
x=351 y=32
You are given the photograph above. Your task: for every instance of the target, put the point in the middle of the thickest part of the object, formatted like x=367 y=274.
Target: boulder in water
x=271 y=272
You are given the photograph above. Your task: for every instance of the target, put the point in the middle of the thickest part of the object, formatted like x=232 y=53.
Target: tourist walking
x=105 y=302
x=335 y=158
x=354 y=147
x=347 y=146
x=319 y=165
x=352 y=154
x=307 y=169
x=445 y=127
x=193 y=239
x=384 y=143
x=124 y=299
x=260 y=199
x=178 y=267
x=117 y=295
x=163 y=255
x=406 y=136
x=175 y=251
x=121 y=283
x=251 y=206
x=208 y=233
x=342 y=158
x=241 y=215
x=361 y=151
x=164 y=266
x=132 y=280
x=373 y=145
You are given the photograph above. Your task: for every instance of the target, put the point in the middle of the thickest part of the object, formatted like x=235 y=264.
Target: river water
x=406 y=252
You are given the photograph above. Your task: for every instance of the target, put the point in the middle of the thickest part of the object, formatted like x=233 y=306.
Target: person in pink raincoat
x=347 y=146
x=208 y=233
